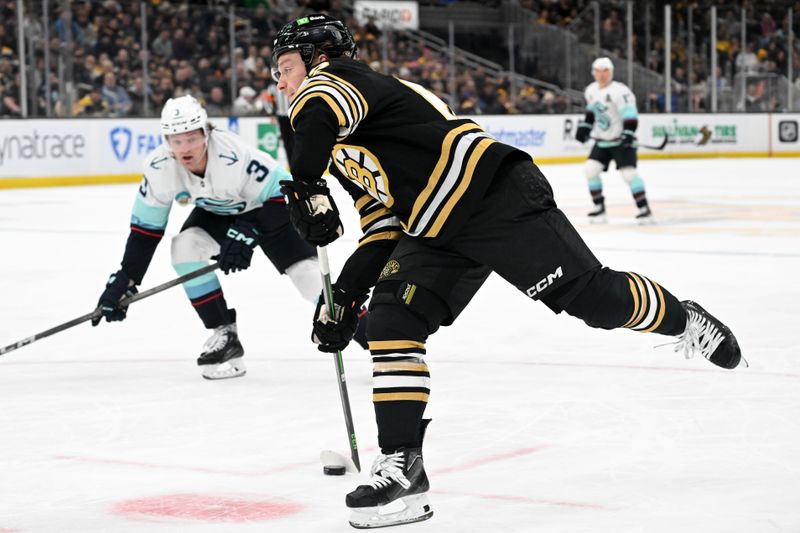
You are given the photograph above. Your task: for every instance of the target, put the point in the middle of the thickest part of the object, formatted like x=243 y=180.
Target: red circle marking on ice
x=205 y=507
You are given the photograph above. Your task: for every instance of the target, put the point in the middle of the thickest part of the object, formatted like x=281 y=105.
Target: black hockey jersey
x=409 y=163
x=398 y=143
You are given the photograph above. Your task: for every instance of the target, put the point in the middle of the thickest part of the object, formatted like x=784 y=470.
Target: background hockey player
x=239 y=207
x=612 y=117
x=442 y=205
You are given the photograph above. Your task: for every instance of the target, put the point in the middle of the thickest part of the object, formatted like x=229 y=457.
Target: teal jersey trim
x=629 y=111
x=148 y=216
x=273 y=188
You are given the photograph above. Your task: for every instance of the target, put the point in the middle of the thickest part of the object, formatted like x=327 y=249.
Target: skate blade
x=232 y=368
x=406 y=510
x=599 y=219
x=646 y=221
x=332 y=458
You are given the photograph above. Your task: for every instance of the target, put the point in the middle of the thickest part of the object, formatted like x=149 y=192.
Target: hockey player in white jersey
x=238 y=206
x=612 y=117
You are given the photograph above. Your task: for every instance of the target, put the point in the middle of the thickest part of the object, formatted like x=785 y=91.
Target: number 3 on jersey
x=258 y=170
x=362 y=168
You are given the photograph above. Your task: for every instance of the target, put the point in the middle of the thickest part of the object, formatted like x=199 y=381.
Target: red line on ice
x=526 y=499
x=206 y=507
x=489 y=459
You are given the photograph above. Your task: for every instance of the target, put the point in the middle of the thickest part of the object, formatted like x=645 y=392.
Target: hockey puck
x=334 y=470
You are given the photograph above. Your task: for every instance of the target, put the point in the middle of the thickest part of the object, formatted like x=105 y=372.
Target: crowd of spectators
x=765 y=55
x=189 y=52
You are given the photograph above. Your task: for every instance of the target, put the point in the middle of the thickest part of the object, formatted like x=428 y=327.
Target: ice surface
x=540 y=423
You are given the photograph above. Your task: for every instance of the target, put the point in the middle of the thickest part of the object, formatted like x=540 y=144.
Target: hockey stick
x=661 y=146
x=96 y=313
x=327 y=293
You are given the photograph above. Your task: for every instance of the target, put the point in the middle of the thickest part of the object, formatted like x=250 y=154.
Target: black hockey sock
x=401 y=386
x=624 y=299
x=213 y=309
x=641 y=199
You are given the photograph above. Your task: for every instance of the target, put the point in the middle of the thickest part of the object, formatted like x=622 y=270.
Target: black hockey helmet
x=312 y=33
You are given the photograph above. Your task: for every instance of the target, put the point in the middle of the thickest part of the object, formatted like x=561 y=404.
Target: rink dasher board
x=54 y=152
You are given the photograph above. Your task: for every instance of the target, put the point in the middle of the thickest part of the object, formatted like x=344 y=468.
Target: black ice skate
x=645 y=216
x=598 y=214
x=222 y=354
x=396 y=493
x=709 y=337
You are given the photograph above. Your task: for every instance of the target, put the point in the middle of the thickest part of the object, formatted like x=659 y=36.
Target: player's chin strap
x=96 y=313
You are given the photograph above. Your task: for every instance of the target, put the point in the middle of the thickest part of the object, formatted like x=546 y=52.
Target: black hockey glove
x=236 y=251
x=628 y=139
x=584 y=129
x=119 y=286
x=334 y=334
x=312 y=211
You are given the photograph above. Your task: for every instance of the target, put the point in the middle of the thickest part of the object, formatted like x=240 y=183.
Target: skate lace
x=388 y=468
x=700 y=336
x=219 y=339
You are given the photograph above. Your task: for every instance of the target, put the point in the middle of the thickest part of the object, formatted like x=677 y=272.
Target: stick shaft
x=96 y=313
x=327 y=293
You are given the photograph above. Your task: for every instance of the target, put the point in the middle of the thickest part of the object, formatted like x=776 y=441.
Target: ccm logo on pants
x=544 y=283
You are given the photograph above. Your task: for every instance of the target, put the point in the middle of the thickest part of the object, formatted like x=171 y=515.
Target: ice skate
x=396 y=493
x=645 y=216
x=598 y=214
x=707 y=336
x=222 y=354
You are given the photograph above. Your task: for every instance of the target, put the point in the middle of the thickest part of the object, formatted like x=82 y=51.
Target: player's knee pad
x=306 y=278
x=592 y=169
x=193 y=245
x=404 y=310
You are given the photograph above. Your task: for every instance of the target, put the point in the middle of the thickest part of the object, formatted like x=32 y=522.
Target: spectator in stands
x=162 y=45
x=9 y=89
x=215 y=104
x=245 y=104
x=136 y=92
x=92 y=104
x=117 y=99
x=748 y=62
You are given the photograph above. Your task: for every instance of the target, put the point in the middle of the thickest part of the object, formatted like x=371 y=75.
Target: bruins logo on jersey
x=392 y=267
x=361 y=167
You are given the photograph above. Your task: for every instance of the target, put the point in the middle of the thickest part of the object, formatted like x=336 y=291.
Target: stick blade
x=330 y=457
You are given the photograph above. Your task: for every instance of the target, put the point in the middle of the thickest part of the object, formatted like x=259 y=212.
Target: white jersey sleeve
x=156 y=192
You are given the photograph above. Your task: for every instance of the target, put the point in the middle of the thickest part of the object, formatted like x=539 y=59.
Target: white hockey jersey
x=238 y=178
x=610 y=105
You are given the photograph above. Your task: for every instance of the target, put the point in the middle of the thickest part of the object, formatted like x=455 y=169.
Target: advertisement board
x=551 y=138
x=82 y=151
x=396 y=15
x=39 y=152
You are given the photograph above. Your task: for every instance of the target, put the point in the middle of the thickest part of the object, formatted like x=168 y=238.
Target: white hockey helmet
x=183 y=114
x=603 y=63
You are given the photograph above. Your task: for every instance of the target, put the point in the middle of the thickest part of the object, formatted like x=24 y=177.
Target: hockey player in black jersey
x=441 y=203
